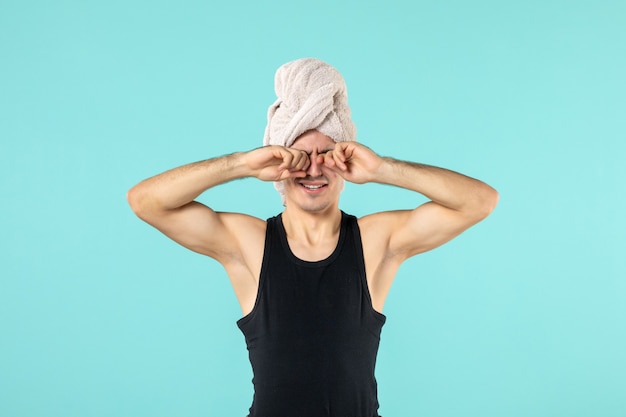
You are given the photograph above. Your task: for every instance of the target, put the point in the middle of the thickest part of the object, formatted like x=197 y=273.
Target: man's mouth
x=313 y=187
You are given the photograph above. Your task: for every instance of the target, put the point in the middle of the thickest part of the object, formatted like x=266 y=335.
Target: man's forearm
x=447 y=188
x=179 y=186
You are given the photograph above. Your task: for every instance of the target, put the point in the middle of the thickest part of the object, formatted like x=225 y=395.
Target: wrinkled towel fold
x=311 y=95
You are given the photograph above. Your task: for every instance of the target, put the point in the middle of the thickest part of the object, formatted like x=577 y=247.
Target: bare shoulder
x=245 y=223
x=377 y=229
x=227 y=237
x=245 y=234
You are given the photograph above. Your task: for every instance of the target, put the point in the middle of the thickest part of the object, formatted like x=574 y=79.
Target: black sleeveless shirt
x=313 y=334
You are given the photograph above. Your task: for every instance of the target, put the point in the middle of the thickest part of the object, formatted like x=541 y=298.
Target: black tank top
x=313 y=334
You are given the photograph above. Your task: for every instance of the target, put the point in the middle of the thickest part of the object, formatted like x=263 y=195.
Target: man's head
x=319 y=190
x=312 y=95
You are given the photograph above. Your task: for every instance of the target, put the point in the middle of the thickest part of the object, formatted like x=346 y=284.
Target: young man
x=312 y=281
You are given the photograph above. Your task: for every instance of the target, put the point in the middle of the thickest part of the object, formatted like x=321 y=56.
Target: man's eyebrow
x=319 y=152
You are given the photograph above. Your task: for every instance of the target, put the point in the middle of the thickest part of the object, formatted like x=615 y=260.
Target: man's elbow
x=487 y=202
x=137 y=201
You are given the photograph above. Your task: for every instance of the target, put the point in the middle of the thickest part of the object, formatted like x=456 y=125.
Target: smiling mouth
x=313 y=187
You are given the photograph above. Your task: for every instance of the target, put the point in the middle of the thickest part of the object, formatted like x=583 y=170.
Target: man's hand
x=354 y=162
x=276 y=163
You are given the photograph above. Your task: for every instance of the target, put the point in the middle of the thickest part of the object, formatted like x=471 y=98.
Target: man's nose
x=315 y=168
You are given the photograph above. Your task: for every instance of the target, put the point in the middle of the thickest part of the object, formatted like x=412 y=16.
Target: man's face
x=321 y=187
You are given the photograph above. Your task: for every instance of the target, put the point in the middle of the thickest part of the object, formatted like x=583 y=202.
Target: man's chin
x=312 y=206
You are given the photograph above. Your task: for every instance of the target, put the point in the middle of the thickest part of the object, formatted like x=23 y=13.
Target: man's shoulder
x=245 y=237
x=378 y=227
x=232 y=216
x=242 y=224
x=381 y=217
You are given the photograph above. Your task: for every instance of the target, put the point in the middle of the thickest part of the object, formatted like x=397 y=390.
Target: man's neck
x=312 y=233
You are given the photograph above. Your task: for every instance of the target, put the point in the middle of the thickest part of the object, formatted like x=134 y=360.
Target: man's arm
x=166 y=201
x=390 y=237
x=457 y=201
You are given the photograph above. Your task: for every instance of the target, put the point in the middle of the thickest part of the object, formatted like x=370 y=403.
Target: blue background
x=523 y=315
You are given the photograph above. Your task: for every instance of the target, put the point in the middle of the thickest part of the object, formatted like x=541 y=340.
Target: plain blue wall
x=523 y=315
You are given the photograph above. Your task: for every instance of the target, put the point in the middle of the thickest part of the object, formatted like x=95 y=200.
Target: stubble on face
x=320 y=189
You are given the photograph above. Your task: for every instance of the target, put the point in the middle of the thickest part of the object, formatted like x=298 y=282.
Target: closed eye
x=320 y=152
x=309 y=153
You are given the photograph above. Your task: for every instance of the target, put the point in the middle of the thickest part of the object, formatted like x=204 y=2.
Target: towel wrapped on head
x=312 y=95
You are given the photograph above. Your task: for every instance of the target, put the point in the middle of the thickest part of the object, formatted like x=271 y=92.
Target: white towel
x=311 y=95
